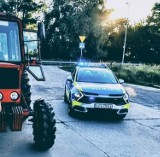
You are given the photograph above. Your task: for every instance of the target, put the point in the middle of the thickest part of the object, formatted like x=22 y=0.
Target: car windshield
x=9 y=42
x=96 y=76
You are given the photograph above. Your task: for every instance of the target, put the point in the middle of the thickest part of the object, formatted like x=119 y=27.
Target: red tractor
x=20 y=54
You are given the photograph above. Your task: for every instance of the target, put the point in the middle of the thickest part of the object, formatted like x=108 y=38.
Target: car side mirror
x=121 y=81
x=69 y=78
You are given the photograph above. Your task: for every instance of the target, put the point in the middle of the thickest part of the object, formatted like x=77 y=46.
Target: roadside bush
x=141 y=74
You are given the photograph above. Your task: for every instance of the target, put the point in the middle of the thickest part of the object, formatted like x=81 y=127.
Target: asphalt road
x=138 y=135
x=146 y=96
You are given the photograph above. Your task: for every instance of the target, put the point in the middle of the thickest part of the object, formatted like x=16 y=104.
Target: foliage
x=27 y=10
x=67 y=20
x=116 y=31
x=143 y=40
x=154 y=19
x=142 y=74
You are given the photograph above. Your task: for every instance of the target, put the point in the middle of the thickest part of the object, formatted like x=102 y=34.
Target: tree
x=153 y=23
x=27 y=10
x=143 y=39
x=67 y=20
x=154 y=19
x=115 y=30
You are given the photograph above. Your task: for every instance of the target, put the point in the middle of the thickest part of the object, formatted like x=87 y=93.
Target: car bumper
x=84 y=108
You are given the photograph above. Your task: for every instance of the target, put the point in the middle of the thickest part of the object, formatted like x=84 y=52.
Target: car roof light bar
x=89 y=64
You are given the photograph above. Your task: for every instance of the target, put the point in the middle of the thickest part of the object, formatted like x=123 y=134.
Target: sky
x=134 y=10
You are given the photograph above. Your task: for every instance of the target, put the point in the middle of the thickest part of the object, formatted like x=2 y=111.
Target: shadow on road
x=101 y=116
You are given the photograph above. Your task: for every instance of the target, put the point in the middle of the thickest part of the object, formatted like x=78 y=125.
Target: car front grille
x=9 y=78
x=91 y=99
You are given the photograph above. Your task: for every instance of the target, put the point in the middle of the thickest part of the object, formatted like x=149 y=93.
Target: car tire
x=70 y=112
x=43 y=125
x=120 y=117
x=65 y=96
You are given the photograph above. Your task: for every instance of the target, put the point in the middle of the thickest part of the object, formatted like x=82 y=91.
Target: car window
x=96 y=76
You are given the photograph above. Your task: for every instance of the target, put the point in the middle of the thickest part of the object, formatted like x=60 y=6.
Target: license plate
x=103 y=106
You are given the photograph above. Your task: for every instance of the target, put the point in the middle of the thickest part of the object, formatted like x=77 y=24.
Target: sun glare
x=119 y=10
x=134 y=10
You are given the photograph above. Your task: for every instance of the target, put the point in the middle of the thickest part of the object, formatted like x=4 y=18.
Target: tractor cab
x=19 y=53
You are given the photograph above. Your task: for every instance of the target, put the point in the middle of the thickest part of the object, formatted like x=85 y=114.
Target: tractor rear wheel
x=26 y=88
x=43 y=125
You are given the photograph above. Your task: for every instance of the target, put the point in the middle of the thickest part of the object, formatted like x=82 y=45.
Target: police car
x=95 y=87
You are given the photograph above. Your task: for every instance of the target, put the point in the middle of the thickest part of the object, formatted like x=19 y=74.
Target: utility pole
x=125 y=36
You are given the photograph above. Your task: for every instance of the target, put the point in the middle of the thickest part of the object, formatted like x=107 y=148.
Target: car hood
x=102 y=89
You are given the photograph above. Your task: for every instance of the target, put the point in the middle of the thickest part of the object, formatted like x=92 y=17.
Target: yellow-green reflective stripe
x=77 y=86
x=76 y=103
x=74 y=83
x=126 y=106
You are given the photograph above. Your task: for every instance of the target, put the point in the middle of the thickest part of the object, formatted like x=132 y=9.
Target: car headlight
x=78 y=95
x=14 y=95
x=126 y=97
x=1 y=96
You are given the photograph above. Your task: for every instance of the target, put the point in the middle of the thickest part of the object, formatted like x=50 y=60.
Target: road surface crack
x=147 y=126
x=65 y=123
